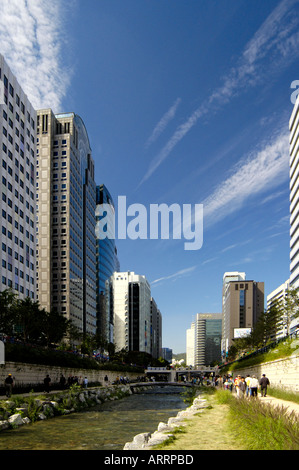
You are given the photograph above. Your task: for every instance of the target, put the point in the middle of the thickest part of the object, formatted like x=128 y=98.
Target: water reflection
x=106 y=427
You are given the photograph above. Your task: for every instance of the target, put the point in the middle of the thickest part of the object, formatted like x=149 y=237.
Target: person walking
x=254 y=383
x=264 y=382
x=47 y=381
x=241 y=388
x=236 y=384
x=8 y=382
x=247 y=381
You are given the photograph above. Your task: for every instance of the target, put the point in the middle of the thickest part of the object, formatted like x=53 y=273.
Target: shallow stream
x=106 y=427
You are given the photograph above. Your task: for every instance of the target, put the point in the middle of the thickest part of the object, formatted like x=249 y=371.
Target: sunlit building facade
x=129 y=301
x=242 y=306
x=65 y=205
x=17 y=147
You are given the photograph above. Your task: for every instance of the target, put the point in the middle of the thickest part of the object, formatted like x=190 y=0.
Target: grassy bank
x=237 y=424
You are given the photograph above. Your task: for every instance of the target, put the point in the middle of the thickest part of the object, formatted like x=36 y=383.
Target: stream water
x=106 y=427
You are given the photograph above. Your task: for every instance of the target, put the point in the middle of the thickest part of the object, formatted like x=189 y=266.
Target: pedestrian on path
x=241 y=388
x=247 y=381
x=47 y=381
x=8 y=385
x=254 y=383
x=264 y=382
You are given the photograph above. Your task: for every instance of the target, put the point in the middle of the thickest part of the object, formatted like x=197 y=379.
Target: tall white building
x=129 y=298
x=294 y=195
x=17 y=147
x=190 y=345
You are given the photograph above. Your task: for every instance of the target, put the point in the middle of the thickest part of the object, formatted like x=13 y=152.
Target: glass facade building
x=208 y=330
x=107 y=263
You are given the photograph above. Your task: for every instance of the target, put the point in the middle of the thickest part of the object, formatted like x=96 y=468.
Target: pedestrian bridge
x=162 y=374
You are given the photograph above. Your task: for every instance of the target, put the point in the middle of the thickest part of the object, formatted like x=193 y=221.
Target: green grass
x=261 y=426
x=283 y=394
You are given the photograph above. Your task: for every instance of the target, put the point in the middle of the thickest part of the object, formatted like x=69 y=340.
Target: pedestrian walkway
x=290 y=405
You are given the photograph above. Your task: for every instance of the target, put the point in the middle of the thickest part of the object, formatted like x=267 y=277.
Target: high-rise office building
x=208 y=330
x=17 y=146
x=242 y=305
x=107 y=259
x=65 y=205
x=129 y=298
x=155 y=330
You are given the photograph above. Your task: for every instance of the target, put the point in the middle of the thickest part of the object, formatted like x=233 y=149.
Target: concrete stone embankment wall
x=282 y=373
x=33 y=374
x=14 y=413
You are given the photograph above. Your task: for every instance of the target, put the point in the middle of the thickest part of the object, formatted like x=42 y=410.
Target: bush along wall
x=20 y=410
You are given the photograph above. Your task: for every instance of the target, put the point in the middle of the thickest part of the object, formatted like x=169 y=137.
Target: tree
x=54 y=326
x=7 y=304
x=290 y=307
x=28 y=319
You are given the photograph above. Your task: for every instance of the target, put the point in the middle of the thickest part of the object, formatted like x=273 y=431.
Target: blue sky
x=184 y=103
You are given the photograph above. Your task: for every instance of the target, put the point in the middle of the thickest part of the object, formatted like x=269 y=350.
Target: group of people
x=245 y=386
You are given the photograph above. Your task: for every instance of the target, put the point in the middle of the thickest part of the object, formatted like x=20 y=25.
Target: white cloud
x=175 y=276
x=273 y=47
x=257 y=173
x=31 y=40
x=168 y=116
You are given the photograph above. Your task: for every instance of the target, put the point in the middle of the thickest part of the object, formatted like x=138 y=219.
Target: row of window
x=18 y=287
x=8 y=87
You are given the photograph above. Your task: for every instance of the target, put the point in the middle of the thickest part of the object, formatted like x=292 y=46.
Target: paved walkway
x=290 y=405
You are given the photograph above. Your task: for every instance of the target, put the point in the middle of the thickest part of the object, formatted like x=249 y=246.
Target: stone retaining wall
x=23 y=410
x=282 y=373
x=33 y=374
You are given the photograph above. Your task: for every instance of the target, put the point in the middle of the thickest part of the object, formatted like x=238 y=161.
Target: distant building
x=167 y=354
x=190 y=345
x=208 y=329
x=128 y=299
x=242 y=306
x=17 y=202
x=107 y=263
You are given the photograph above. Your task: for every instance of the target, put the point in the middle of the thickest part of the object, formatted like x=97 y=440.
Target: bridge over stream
x=162 y=374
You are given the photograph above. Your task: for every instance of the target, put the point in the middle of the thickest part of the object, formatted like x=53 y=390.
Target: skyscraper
x=155 y=330
x=65 y=204
x=107 y=261
x=207 y=349
x=129 y=298
x=17 y=146
x=242 y=305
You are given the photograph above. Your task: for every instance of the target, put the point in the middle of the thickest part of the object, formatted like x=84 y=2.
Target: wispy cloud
x=273 y=46
x=257 y=173
x=31 y=39
x=167 y=117
x=174 y=276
